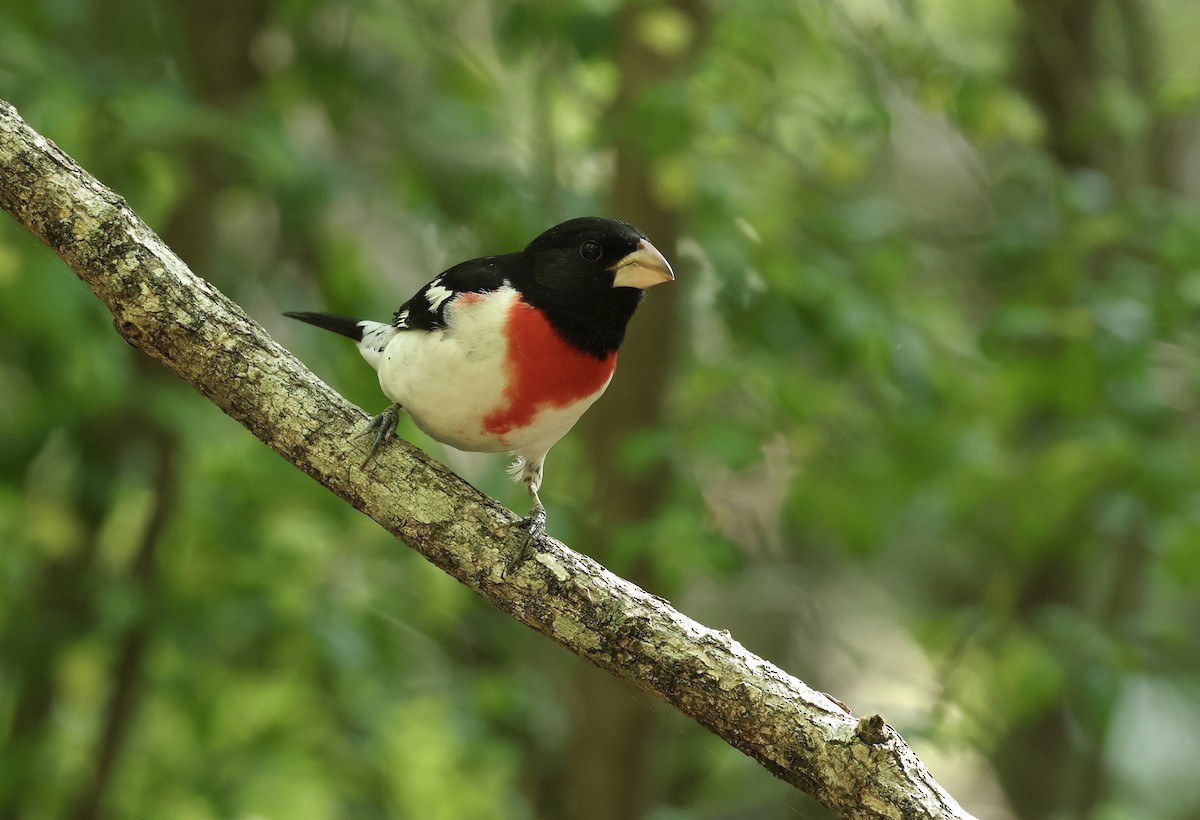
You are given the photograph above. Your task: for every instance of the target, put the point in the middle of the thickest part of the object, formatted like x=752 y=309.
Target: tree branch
x=159 y=306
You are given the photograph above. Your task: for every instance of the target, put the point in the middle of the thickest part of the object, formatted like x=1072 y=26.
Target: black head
x=587 y=275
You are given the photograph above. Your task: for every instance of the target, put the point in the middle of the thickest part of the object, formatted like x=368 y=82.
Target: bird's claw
x=384 y=427
x=534 y=526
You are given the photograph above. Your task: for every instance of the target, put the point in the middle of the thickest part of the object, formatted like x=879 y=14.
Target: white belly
x=450 y=380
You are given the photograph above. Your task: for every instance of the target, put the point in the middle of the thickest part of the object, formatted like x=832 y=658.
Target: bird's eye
x=590 y=250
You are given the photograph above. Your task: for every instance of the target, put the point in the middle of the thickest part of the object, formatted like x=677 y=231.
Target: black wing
x=427 y=309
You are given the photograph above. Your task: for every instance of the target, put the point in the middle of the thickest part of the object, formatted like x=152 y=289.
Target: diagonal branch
x=856 y=768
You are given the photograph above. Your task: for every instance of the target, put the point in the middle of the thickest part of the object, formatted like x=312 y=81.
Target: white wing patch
x=401 y=319
x=437 y=295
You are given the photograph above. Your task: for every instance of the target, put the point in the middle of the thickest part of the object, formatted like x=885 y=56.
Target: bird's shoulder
x=426 y=310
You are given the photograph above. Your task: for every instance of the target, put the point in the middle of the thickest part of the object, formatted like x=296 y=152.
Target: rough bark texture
x=159 y=306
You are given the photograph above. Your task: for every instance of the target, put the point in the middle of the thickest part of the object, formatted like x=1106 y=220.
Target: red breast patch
x=543 y=371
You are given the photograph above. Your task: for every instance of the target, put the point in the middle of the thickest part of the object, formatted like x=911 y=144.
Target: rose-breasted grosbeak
x=504 y=353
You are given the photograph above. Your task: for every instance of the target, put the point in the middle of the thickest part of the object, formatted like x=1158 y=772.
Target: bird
x=505 y=353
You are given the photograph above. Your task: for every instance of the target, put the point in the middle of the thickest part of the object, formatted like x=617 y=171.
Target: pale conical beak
x=643 y=268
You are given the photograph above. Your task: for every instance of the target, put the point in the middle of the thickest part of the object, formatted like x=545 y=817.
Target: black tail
x=344 y=325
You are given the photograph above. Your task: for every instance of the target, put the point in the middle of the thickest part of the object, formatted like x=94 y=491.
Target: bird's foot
x=534 y=527
x=384 y=427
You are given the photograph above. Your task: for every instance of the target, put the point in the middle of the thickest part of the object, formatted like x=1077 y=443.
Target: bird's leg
x=533 y=524
x=384 y=427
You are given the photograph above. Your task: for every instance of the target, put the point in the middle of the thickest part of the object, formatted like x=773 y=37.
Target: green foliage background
x=929 y=437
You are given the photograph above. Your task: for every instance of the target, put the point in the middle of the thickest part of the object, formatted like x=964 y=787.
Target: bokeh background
x=918 y=421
